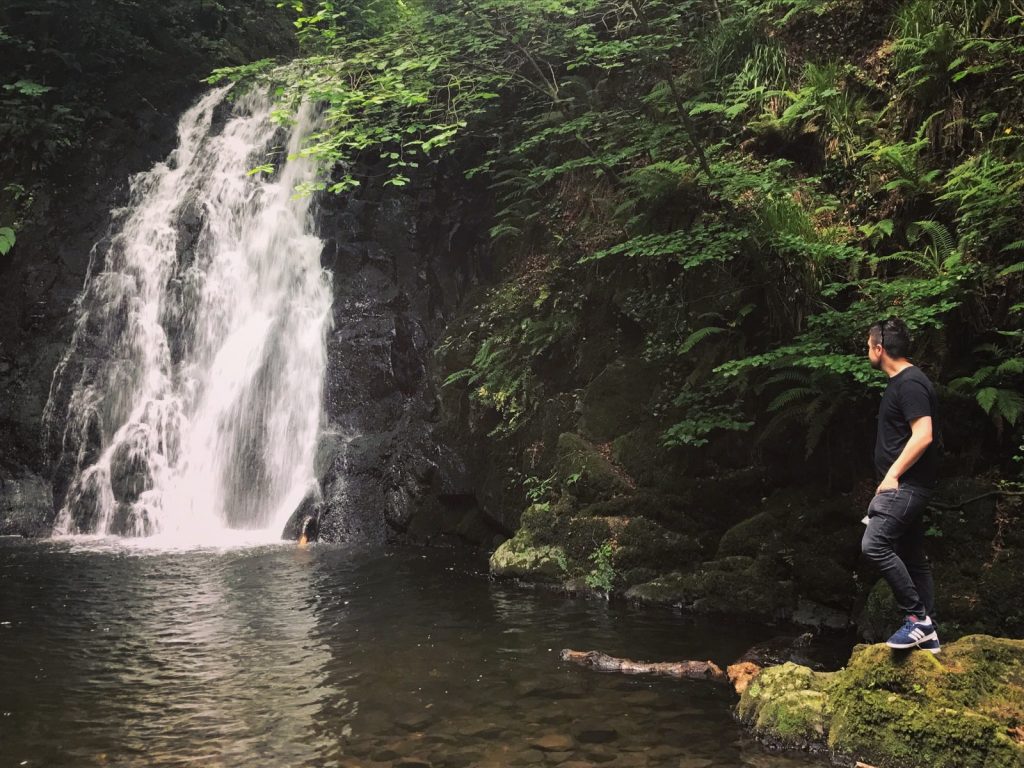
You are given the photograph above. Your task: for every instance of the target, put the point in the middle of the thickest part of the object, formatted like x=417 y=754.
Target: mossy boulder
x=890 y=709
x=615 y=400
x=785 y=706
x=962 y=708
x=518 y=558
x=641 y=453
x=643 y=543
x=667 y=510
x=740 y=586
x=585 y=472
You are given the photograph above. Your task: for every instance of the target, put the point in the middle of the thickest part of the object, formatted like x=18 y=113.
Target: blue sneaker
x=912 y=634
x=932 y=646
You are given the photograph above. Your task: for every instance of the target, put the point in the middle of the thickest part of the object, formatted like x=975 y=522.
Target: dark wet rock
x=304 y=522
x=553 y=742
x=739 y=586
x=130 y=474
x=594 y=733
x=26 y=504
x=131 y=520
x=386 y=466
x=616 y=399
x=86 y=501
x=585 y=472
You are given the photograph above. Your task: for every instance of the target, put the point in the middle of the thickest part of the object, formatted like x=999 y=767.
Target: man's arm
x=920 y=439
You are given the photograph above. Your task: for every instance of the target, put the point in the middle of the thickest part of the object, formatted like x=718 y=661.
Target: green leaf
x=7 y=240
x=986 y=398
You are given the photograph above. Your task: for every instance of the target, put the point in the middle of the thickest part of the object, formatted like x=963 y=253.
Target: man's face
x=874 y=353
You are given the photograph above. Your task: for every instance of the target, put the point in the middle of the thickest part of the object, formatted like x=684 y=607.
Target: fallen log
x=695 y=670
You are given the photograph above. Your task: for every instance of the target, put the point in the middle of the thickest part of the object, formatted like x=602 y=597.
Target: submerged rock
x=964 y=707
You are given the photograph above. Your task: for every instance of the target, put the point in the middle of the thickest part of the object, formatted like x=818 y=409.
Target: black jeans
x=894 y=541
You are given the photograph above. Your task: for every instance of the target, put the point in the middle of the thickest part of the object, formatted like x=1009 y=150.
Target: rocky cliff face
x=401 y=262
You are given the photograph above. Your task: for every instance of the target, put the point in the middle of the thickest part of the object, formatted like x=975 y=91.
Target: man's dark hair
x=894 y=336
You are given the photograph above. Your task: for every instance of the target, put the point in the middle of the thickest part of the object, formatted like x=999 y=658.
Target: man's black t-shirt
x=908 y=396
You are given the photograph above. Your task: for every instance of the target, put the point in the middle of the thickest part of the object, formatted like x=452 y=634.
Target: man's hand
x=920 y=438
x=888 y=484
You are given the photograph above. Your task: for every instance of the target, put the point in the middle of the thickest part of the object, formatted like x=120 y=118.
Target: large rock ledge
x=961 y=709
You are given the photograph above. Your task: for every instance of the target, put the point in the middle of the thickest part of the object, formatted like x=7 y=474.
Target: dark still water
x=278 y=656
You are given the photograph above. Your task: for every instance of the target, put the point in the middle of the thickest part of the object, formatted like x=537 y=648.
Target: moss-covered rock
x=588 y=474
x=583 y=536
x=949 y=711
x=519 y=559
x=643 y=543
x=785 y=705
x=740 y=586
x=615 y=400
x=962 y=708
x=667 y=510
x=641 y=453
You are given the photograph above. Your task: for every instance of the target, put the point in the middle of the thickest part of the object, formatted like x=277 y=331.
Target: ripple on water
x=116 y=654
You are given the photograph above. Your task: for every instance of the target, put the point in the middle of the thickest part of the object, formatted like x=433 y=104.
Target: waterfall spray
x=188 y=402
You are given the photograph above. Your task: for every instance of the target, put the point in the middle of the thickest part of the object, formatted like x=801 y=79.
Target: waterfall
x=188 y=402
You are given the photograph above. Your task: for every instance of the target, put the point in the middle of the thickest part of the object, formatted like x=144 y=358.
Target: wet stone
x=694 y=762
x=413 y=722
x=641 y=699
x=557 y=758
x=553 y=742
x=529 y=757
x=594 y=733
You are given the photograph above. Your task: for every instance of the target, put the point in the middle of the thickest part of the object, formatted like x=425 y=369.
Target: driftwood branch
x=695 y=670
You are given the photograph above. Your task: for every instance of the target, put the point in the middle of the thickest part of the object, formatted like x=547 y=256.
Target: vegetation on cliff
x=758 y=180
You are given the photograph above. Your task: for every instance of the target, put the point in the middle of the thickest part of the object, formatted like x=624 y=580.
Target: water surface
x=329 y=656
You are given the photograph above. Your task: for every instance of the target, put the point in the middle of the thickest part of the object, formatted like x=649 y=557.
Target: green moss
x=542 y=525
x=518 y=558
x=755 y=535
x=644 y=543
x=901 y=710
x=584 y=535
x=665 y=509
x=786 y=704
x=821 y=579
x=641 y=453
x=737 y=586
x=582 y=470
x=615 y=400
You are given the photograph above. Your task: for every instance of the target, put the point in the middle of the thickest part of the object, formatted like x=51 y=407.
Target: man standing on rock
x=906 y=460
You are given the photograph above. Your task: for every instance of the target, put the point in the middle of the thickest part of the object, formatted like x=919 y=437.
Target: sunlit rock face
x=189 y=400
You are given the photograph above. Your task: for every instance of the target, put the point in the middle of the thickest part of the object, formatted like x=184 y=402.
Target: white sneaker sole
x=913 y=643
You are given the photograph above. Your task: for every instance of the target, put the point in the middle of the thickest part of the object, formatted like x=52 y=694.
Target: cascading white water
x=193 y=383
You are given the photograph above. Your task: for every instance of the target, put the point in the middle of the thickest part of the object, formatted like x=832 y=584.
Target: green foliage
x=997 y=386
x=745 y=204
x=7 y=240
x=602 y=575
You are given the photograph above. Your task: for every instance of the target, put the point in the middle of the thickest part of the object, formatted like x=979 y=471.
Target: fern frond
x=697 y=337
x=790 y=396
